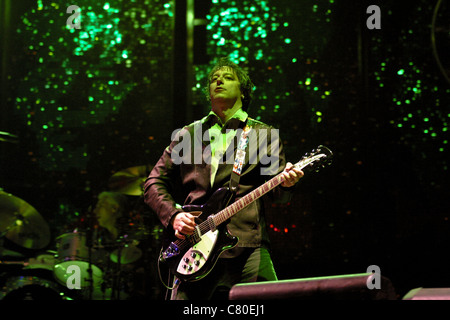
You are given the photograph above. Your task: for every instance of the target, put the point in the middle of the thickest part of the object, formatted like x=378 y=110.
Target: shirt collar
x=213 y=118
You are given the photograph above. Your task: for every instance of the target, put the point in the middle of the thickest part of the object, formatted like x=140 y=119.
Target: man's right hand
x=184 y=224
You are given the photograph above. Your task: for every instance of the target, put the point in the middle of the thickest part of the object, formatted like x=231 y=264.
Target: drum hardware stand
x=5 y=232
x=90 y=280
x=20 y=220
x=89 y=244
x=118 y=281
x=2 y=234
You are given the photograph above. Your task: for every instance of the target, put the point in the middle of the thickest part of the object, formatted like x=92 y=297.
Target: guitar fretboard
x=243 y=202
x=231 y=210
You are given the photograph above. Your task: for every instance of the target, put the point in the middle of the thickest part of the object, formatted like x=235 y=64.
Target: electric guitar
x=192 y=258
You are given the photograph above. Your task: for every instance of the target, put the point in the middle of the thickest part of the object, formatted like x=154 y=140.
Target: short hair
x=246 y=83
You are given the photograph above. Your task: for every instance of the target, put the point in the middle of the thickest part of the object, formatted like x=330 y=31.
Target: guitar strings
x=229 y=211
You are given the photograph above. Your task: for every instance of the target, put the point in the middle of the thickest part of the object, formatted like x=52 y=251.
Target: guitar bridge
x=197 y=234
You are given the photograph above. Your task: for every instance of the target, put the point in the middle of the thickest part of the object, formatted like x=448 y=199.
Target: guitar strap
x=240 y=158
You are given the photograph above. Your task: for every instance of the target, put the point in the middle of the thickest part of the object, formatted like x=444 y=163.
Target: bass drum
x=32 y=280
x=30 y=287
x=73 y=257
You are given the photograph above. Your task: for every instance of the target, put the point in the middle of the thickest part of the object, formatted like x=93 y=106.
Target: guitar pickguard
x=196 y=257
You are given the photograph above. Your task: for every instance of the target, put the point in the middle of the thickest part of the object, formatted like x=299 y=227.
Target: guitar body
x=195 y=257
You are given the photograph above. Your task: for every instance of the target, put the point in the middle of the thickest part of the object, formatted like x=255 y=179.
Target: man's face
x=225 y=85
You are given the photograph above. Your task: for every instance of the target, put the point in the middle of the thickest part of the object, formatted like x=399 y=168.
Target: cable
x=160 y=277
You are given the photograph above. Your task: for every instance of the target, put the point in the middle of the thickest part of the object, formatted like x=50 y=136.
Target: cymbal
x=8 y=137
x=21 y=223
x=129 y=181
x=9 y=253
x=128 y=254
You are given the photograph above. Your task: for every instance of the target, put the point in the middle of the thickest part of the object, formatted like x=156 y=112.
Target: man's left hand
x=292 y=175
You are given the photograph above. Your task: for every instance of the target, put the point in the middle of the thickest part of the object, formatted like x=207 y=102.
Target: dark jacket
x=171 y=182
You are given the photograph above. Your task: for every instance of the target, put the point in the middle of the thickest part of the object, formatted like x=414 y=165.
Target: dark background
x=378 y=98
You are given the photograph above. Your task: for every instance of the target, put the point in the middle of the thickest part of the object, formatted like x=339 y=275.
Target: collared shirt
x=221 y=135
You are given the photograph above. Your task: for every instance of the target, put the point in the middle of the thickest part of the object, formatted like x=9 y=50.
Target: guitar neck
x=312 y=160
x=243 y=202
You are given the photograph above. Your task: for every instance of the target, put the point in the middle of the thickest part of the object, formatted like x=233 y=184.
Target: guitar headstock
x=315 y=160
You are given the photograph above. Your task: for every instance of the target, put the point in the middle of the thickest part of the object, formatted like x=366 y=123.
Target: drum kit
x=77 y=266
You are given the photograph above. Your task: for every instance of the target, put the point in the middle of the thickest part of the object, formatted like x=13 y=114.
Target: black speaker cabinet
x=341 y=287
x=428 y=294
